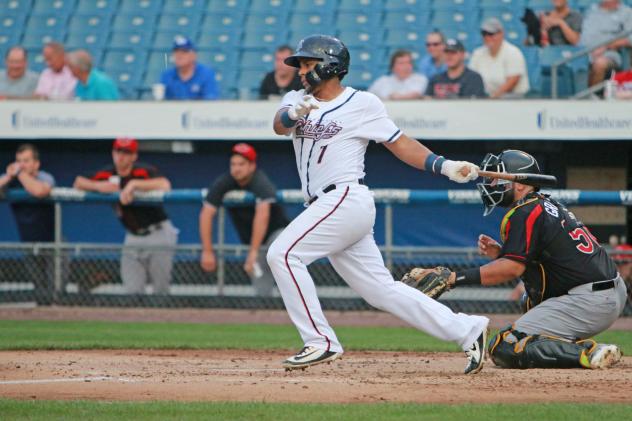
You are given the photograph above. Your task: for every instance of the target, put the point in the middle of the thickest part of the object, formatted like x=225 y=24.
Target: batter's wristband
x=468 y=277
x=434 y=163
x=287 y=122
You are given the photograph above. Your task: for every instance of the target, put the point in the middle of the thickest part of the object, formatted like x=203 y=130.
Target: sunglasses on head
x=433 y=44
x=487 y=34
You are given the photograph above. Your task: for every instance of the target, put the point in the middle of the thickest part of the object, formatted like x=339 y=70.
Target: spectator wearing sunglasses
x=433 y=63
x=500 y=63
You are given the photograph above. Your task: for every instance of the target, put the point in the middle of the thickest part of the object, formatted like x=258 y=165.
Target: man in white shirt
x=56 y=81
x=402 y=83
x=500 y=63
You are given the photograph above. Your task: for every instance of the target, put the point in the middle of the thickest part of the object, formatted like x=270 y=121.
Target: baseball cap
x=491 y=25
x=454 y=45
x=246 y=151
x=183 y=43
x=126 y=144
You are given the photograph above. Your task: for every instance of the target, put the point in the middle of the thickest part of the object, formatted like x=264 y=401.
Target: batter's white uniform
x=330 y=144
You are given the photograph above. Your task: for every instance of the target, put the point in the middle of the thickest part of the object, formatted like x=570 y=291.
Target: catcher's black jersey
x=558 y=249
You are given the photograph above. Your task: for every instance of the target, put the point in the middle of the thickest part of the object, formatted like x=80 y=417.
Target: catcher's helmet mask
x=332 y=54
x=496 y=192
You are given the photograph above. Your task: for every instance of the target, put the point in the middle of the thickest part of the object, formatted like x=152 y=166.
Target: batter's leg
x=362 y=267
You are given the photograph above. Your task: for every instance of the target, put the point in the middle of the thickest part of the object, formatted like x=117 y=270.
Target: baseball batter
x=331 y=126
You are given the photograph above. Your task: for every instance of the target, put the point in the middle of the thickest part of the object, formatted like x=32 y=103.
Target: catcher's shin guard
x=513 y=349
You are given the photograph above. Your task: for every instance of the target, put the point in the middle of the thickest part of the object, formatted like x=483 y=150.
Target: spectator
x=56 y=81
x=188 y=79
x=500 y=63
x=623 y=85
x=283 y=78
x=563 y=25
x=35 y=220
x=147 y=225
x=433 y=63
x=624 y=265
x=602 y=22
x=458 y=81
x=256 y=224
x=17 y=81
x=92 y=84
x=402 y=83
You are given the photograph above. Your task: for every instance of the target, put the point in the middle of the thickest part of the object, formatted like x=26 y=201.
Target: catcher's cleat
x=605 y=356
x=476 y=354
x=309 y=356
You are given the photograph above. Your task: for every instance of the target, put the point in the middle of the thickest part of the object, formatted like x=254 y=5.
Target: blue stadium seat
x=572 y=77
x=362 y=39
x=270 y=6
x=134 y=22
x=263 y=21
x=414 y=6
x=532 y=58
x=219 y=58
x=222 y=21
x=45 y=23
x=179 y=22
x=460 y=5
x=37 y=39
x=14 y=7
x=361 y=77
x=515 y=33
x=159 y=61
x=229 y=7
x=223 y=39
x=56 y=7
x=164 y=40
x=539 y=5
x=405 y=20
x=494 y=4
x=360 y=5
x=93 y=22
x=369 y=57
x=227 y=81
x=128 y=80
x=408 y=39
x=505 y=15
x=8 y=38
x=13 y=22
x=454 y=18
x=92 y=40
x=358 y=21
x=126 y=40
x=315 y=22
x=147 y=7
x=315 y=6
x=269 y=39
x=471 y=38
x=96 y=7
x=189 y=7
x=585 y=4
x=124 y=59
x=36 y=59
x=295 y=36
x=263 y=60
x=249 y=81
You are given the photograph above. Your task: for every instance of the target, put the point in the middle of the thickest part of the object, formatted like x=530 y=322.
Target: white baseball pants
x=339 y=226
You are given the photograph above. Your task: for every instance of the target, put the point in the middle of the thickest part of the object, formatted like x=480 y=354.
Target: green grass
x=117 y=335
x=83 y=410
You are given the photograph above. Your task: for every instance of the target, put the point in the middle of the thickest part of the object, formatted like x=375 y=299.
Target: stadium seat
x=14 y=7
x=128 y=80
x=315 y=22
x=249 y=82
x=515 y=33
x=494 y=4
x=227 y=81
x=179 y=22
x=219 y=59
x=413 y=6
x=146 y=7
x=539 y=5
x=37 y=39
x=406 y=20
x=93 y=22
x=36 y=59
x=270 y=39
x=225 y=39
x=532 y=58
x=505 y=15
x=572 y=76
x=263 y=21
x=126 y=40
x=262 y=59
x=134 y=22
x=12 y=22
x=95 y=39
x=454 y=18
x=358 y=21
x=407 y=39
x=222 y=21
x=124 y=59
x=189 y=7
x=159 y=61
x=471 y=38
x=45 y=23
x=374 y=57
x=96 y=7
x=8 y=38
x=459 y=5
x=229 y=7
x=360 y=77
x=56 y=7
x=270 y=6
x=164 y=40
x=315 y=6
x=360 y=6
x=362 y=39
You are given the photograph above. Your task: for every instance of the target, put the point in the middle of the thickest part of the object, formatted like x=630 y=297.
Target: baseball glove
x=433 y=282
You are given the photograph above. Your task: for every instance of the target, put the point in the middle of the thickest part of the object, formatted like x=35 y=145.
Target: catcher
x=573 y=289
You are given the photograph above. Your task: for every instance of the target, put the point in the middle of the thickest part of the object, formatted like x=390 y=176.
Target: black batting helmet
x=331 y=52
x=495 y=192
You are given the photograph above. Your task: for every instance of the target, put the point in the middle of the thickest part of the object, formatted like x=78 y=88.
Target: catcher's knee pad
x=513 y=349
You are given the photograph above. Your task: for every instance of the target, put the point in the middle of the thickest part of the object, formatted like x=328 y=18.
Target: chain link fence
x=90 y=275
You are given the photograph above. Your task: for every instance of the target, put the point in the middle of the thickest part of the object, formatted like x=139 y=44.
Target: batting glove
x=302 y=108
x=454 y=171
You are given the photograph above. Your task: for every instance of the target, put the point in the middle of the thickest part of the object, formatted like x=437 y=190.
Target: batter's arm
x=410 y=151
x=278 y=126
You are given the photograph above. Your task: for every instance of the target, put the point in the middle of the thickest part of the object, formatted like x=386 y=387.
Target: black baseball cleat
x=309 y=356
x=476 y=354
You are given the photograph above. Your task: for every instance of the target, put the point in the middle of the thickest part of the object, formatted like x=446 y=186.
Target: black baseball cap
x=454 y=45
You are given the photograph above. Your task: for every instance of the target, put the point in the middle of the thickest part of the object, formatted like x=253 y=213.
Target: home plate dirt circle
x=257 y=376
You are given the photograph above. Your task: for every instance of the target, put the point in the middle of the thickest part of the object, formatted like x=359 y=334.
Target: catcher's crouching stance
x=573 y=290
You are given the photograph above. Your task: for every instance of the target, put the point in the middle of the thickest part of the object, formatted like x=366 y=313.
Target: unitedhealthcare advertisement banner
x=239 y=120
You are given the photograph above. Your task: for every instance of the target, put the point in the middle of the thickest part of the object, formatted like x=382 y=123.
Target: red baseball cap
x=126 y=144
x=620 y=257
x=246 y=151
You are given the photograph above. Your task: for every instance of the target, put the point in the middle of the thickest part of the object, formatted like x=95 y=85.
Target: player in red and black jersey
x=573 y=289
x=146 y=224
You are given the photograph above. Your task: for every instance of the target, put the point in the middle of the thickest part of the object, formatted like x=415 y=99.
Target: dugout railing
x=88 y=274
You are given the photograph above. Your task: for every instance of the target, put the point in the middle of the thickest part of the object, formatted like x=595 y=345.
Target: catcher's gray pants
x=139 y=265
x=580 y=314
x=264 y=282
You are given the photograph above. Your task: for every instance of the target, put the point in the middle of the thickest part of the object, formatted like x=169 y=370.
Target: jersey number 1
x=588 y=241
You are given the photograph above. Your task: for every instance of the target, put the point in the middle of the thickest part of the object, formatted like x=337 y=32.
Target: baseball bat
x=537 y=180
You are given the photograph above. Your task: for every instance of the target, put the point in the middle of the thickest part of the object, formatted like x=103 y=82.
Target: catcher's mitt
x=433 y=282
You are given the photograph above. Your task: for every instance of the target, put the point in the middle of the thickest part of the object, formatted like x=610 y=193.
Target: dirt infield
x=257 y=376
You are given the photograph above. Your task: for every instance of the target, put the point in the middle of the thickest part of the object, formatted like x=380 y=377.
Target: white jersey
x=331 y=141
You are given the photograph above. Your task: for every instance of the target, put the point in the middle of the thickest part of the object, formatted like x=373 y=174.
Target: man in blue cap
x=188 y=79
